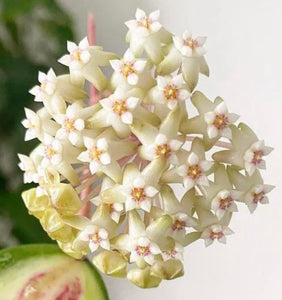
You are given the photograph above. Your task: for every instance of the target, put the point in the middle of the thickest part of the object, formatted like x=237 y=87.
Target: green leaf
x=11 y=9
x=25 y=227
x=25 y=267
x=19 y=66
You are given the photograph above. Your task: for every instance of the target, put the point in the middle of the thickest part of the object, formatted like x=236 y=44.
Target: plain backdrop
x=244 y=55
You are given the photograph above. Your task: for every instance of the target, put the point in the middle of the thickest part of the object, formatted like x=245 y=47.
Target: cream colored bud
x=168 y=270
x=143 y=278
x=67 y=248
x=36 y=205
x=64 y=198
x=111 y=263
x=55 y=227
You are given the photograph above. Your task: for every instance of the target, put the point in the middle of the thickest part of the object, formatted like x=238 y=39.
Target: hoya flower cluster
x=107 y=172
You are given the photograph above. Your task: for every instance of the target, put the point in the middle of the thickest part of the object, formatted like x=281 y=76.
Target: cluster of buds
x=108 y=168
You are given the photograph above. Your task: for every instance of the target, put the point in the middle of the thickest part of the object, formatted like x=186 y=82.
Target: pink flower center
x=171 y=92
x=190 y=43
x=142 y=250
x=171 y=253
x=225 y=203
x=194 y=171
x=220 y=122
x=163 y=150
x=69 y=125
x=94 y=154
x=145 y=22
x=95 y=238
x=178 y=225
x=127 y=69
x=119 y=107
x=138 y=194
x=76 y=55
x=49 y=152
x=216 y=235
x=258 y=197
x=257 y=158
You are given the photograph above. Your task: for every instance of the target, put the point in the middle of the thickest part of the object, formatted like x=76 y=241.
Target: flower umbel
x=108 y=163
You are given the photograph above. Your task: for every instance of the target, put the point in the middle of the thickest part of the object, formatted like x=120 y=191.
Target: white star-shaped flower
x=115 y=211
x=257 y=195
x=139 y=195
x=119 y=107
x=175 y=253
x=225 y=202
x=72 y=125
x=47 y=88
x=193 y=172
x=143 y=25
x=188 y=46
x=96 y=154
x=79 y=55
x=163 y=146
x=218 y=121
x=96 y=237
x=51 y=150
x=28 y=166
x=143 y=247
x=40 y=178
x=33 y=125
x=170 y=91
x=181 y=222
x=253 y=157
x=44 y=177
x=215 y=232
x=128 y=68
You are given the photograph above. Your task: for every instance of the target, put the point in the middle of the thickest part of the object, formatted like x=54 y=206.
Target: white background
x=244 y=55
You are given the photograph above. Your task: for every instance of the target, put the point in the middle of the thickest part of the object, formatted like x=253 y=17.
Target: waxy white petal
x=127 y=117
x=188 y=183
x=105 y=158
x=212 y=131
x=88 y=142
x=155 y=15
x=84 y=44
x=139 y=65
x=193 y=159
x=132 y=79
x=132 y=102
x=161 y=139
x=146 y=205
x=140 y=14
x=116 y=64
x=102 y=144
x=139 y=182
x=94 y=167
x=150 y=191
x=128 y=56
x=71 y=46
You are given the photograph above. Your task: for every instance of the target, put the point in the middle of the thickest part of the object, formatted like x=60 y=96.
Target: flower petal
x=105 y=158
x=127 y=117
x=139 y=65
x=132 y=102
x=193 y=159
x=132 y=79
x=155 y=15
x=150 y=191
x=116 y=64
x=161 y=139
